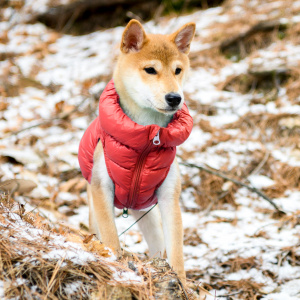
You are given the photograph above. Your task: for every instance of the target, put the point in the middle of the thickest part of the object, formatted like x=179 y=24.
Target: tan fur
x=171 y=214
x=142 y=97
x=103 y=211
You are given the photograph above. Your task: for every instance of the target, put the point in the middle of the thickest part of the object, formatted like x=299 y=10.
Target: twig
x=261 y=227
x=150 y=282
x=182 y=287
x=62 y=116
x=71 y=21
x=132 y=15
x=261 y=164
x=250 y=188
x=158 y=12
x=228 y=295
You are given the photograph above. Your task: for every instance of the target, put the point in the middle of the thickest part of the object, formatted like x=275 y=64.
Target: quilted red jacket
x=138 y=158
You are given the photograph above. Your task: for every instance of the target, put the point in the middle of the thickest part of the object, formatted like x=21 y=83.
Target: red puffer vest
x=138 y=158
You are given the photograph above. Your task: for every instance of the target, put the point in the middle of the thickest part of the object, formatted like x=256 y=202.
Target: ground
x=243 y=93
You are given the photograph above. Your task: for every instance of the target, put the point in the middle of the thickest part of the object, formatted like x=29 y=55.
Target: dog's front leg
x=168 y=202
x=102 y=203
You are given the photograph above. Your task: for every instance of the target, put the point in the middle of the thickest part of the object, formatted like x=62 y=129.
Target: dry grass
x=268 y=126
x=212 y=191
x=245 y=289
x=239 y=263
x=209 y=194
x=27 y=273
x=293 y=85
x=192 y=238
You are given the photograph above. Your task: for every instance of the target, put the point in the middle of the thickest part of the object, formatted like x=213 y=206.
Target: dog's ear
x=133 y=37
x=183 y=37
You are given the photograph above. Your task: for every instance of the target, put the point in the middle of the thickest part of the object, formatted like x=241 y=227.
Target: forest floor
x=243 y=93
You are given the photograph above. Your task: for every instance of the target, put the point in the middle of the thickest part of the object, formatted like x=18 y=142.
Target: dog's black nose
x=173 y=99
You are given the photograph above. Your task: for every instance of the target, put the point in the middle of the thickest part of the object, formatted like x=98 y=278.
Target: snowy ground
x=233 y=242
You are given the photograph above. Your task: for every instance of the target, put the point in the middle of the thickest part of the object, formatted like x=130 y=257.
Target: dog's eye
x=150 y=71
x=177 y=71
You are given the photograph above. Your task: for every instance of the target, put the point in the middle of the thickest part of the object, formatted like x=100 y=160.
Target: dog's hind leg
x=151 y=227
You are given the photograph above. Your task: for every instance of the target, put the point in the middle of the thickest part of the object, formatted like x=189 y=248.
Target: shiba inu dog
x=128 y=153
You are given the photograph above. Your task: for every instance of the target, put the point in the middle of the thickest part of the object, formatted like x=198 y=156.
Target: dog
x=128 y=153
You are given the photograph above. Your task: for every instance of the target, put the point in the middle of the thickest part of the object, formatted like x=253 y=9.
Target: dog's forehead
x=162 y=49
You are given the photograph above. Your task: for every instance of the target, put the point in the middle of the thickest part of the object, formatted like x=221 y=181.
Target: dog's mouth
x=169 y=110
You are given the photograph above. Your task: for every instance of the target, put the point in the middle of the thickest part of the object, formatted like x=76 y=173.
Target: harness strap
x=137 y=219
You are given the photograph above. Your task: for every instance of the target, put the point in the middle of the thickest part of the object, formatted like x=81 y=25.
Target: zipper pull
x=125 y=213
x=156 y=140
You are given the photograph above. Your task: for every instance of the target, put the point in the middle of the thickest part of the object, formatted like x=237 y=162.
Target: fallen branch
x=250 y=188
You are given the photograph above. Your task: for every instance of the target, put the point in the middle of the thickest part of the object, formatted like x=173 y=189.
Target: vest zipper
x=137 y=171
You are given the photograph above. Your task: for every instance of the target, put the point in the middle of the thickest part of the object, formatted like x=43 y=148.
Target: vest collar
x=117 y=124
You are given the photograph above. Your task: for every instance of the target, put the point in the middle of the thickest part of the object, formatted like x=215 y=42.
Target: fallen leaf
x=75 y=239
x=22 y=186
x=88 y=238
x=98 y=248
